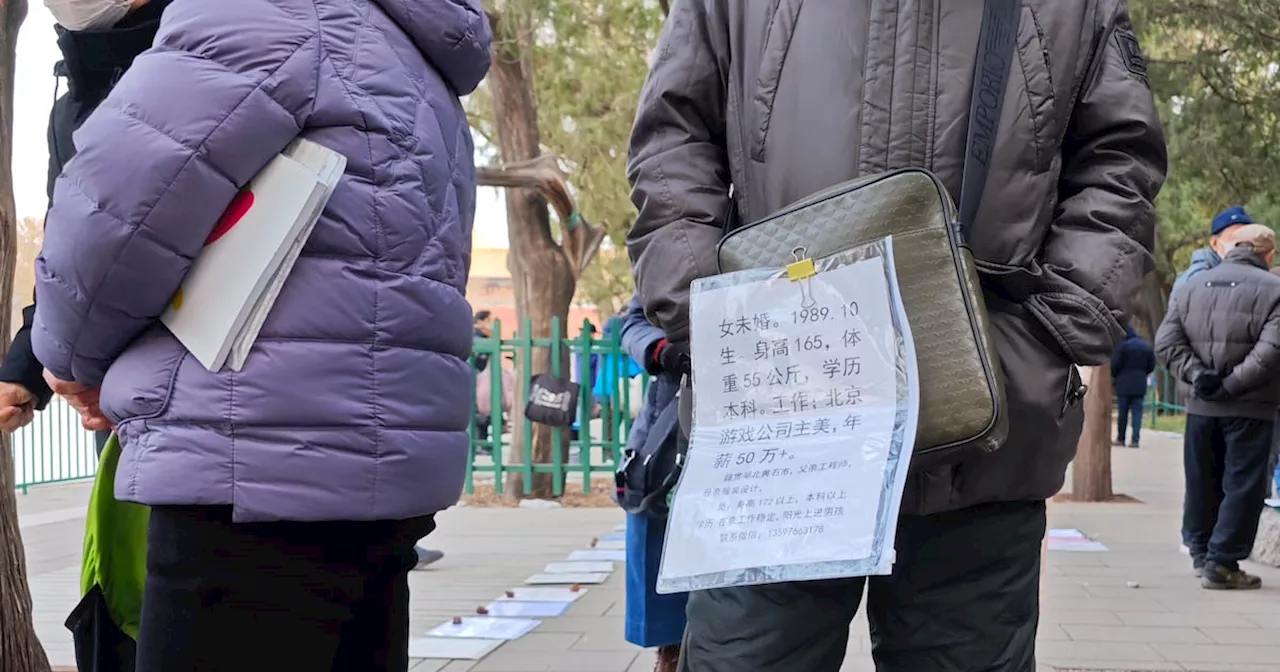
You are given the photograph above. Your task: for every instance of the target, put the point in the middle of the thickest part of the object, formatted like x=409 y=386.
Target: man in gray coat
x=1221 y=340
x=751 y=106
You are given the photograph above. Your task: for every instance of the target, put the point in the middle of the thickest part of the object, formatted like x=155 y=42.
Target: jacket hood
x=1206 y=256
x=92 y=61
x=453 y=34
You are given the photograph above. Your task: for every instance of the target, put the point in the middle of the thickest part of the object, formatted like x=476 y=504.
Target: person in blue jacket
x=1132 y=363
x=613 y=372
x=652 y=620
x=1209 y=257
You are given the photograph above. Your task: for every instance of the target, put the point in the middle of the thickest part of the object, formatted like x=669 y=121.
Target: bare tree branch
x=581 y=239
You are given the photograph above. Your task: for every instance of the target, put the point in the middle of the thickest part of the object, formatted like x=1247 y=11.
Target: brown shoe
x=668 y=659
x=1224 y=577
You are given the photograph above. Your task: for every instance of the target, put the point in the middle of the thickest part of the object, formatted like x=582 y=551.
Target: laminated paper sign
x=805 y=406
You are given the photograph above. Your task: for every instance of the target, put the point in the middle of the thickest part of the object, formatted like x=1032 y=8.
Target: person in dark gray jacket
x=1221 y=340
x=753 y=105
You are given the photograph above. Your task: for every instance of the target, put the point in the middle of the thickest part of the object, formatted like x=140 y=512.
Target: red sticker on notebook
x=235 y=212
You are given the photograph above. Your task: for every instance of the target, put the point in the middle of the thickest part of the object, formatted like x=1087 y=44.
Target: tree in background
x=1214 y=69
x=1215 y=73
x=586 y=64
x=589 y=81
x=20 y=650
x=1091 y=470
x=561 y=96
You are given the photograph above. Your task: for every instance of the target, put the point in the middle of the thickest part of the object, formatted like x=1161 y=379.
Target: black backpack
x=647 y=473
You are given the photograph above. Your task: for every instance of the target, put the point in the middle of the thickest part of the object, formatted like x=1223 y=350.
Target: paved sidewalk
x=1134 y=607
x=487 y=551
x=1094 y=618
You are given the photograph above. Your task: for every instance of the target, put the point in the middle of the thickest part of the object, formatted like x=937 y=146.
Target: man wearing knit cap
x=1221 y=341
x=1206 y=258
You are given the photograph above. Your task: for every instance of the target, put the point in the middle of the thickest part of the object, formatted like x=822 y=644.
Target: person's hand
x=82 y=398
x=17 y=407
x=674 y=358
x=1208 y=386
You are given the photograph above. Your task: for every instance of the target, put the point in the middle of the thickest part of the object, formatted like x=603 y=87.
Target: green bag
x=115 y=546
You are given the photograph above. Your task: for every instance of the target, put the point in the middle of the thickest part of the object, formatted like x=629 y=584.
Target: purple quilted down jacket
x=349 y=407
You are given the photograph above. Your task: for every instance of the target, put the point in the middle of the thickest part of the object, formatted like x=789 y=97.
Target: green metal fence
x=594 y=447
x=1163 y=397
x=55 y=448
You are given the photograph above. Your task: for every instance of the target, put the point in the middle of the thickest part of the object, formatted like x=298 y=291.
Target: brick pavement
x=1093 y=617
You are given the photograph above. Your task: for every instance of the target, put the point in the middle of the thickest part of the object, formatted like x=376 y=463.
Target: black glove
x=1208 y=386
x=673 y=358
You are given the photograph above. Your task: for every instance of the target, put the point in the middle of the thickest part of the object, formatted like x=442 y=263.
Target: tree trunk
x=543 y=277
x=1151 y=305
x=20 y=650
x=1091 y=473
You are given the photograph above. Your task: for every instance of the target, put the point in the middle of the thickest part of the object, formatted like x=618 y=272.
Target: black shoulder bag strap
x=990 y=79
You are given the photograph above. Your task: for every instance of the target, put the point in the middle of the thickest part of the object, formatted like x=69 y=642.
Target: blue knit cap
x=1229 y=217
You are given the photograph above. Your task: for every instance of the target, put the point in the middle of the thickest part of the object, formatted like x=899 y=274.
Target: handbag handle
x=990 y=79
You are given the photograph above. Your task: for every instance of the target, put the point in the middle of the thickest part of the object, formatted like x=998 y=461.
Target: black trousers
x=265 y=597
x=100 y=645
x=1225 y=460
x=964 y=597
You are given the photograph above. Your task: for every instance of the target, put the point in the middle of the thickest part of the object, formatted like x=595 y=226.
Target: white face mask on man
x=88 y=14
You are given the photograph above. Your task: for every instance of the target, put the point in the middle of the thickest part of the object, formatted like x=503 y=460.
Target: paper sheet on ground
x=512 y=608
x=452 y=648
x=485 y=627
x=589 y=578
x=1074 y=541
x=587 y=554
x=602 y=567
x=541 y=594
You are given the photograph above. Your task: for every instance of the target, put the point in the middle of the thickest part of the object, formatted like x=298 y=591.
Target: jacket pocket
x=777 y=42
x=140 y=382
x=1037 y=78
x=1078 y=323
x=1039 y=377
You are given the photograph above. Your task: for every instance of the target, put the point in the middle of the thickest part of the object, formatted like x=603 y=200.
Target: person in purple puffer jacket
x=286 y=498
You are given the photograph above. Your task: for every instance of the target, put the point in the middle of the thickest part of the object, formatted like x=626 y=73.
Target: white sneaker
x=1274 y=502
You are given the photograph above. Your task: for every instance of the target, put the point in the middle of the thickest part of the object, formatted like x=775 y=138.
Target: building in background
x=490 y=288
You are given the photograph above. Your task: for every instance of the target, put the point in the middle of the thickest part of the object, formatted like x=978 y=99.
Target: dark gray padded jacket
x=1227 y=320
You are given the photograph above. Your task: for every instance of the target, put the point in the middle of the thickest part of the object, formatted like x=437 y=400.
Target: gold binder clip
x=802 y=268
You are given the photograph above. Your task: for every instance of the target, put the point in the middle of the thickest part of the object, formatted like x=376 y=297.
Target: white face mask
x=88 y=14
